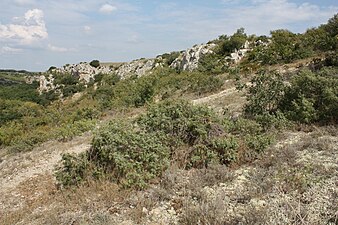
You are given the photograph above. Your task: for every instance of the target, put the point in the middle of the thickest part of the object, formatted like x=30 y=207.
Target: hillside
x=241 y=130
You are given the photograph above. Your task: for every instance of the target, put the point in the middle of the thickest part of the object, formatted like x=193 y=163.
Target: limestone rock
x=238 y=55
x=189 y=59
x=138 y=67
x=83 y=70
x=46 y=83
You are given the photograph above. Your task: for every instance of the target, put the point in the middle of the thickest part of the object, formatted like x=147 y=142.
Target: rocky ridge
x=187 y=60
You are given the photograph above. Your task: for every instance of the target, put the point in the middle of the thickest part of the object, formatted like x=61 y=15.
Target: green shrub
x=244 y=126
x=226 y=149
x=86 y=113
x=286 y=47
x=133 y=153
x=131 y=157
x=110 y=79
x=95 y=63
x=258 y=143
x=21 y=92
x=212 y=64
x=196 y=129
x=312 y=97
x=170 y=57
x=265 y=94
x=74 y=169
x=227 y=45
x=204 y=83
x=69 y=130
x=65 y=79
x=180 y=120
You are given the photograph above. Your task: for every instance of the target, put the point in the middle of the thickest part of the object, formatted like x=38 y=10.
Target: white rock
x=188 y=60
x=137 y=67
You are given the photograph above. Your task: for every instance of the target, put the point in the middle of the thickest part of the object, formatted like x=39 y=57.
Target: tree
x=228 y=44
x=95 y=63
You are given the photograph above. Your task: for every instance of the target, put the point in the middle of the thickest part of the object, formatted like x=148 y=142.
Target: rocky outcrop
x=83 y=70
x=188 y=60
x=86 y=72
x=46 y=83
x=137 y=67
x=238 y=55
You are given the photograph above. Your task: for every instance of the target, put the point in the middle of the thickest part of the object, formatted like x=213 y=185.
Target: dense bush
x=133 y=153
x=265 y=93
x=162 y=83
x=65 y=79
x=74 y=169
x=68 y=84
x=129 y=156
x=310 y=97
x=286 y=46
x=215 y=63
x=21 y=91
x=180 y=120
x=168 y=58
x=228 y=44
x=95 y=63
x=212 y=64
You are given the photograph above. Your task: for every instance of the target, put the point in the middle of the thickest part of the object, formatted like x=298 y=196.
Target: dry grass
x=88 y=204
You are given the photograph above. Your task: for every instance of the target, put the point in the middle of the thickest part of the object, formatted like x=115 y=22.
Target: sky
x=37 y=34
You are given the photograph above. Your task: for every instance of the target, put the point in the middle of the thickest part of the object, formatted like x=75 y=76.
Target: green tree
x=228 y=44
x=95 y=63
x=265 y=93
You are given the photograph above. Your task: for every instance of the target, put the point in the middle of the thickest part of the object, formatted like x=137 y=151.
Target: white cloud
x=106 y=8
x=58 y=49
x=10 y=50
x=29 y=29
x=262 y=16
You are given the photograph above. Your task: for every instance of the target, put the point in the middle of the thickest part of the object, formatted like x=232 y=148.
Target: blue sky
x=36 y=34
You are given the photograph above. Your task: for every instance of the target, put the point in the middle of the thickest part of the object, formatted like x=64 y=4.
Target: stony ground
x=294 y=182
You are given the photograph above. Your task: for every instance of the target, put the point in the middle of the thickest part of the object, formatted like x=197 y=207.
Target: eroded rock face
x=188 y=60
x=137 y=67
x=83 y=70
x=86 y=72
x=46 y=83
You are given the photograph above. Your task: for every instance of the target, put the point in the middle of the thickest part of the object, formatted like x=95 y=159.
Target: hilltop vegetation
x=149 y=138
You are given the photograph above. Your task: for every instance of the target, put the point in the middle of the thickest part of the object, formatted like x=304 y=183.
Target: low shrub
x=129 y=156
x=69 y=130
x=312 y=97
x=133 y=153
x=265 y=94
x=180 y=120
x=74 y=169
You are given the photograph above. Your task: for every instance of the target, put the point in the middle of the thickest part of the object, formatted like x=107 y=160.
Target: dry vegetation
x=294 y=182
x=267 y=154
